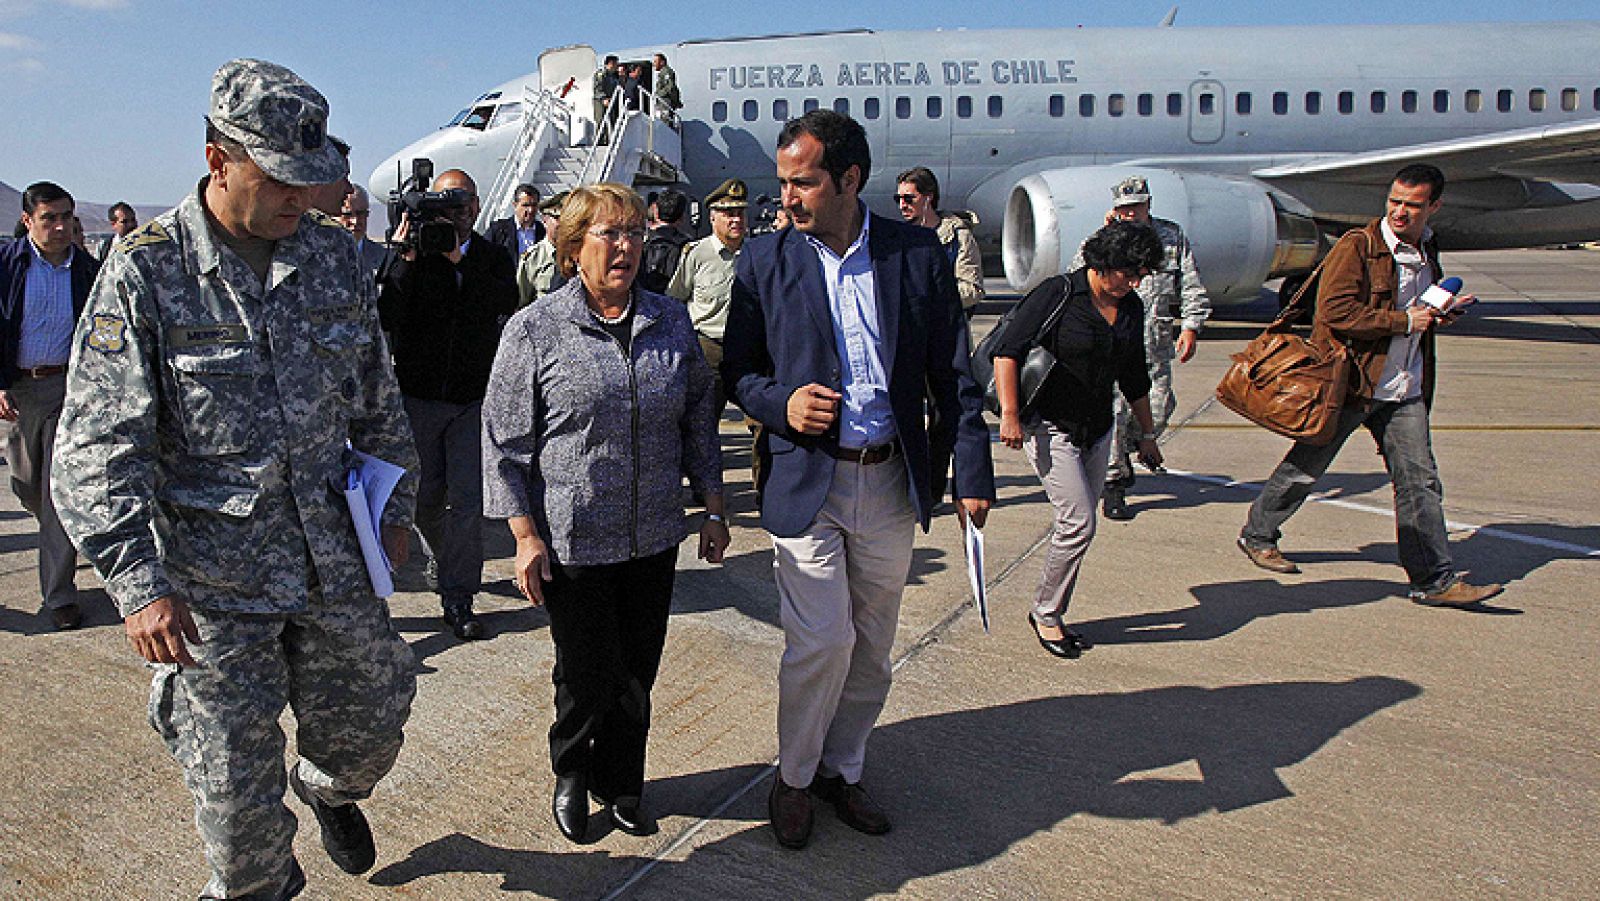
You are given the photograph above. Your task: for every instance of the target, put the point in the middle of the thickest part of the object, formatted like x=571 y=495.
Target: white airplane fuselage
x=1014 y=121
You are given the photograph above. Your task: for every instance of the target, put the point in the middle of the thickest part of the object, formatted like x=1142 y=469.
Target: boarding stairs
x=561 y=148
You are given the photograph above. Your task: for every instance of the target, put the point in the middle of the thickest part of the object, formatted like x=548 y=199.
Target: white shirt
x=1401 y=378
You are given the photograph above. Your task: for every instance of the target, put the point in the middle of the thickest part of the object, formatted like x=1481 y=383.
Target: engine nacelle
x=1243 y=233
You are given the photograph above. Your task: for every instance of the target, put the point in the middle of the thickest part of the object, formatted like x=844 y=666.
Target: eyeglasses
x=618 y=235
x=907 y=198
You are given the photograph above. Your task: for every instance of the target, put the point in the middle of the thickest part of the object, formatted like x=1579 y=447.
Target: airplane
x=1263 y=142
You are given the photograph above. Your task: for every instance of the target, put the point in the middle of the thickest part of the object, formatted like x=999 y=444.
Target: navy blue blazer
x=504 y=233
x=15 y=258
x=780 y=337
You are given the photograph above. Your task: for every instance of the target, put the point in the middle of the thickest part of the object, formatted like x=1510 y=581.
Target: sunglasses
x=907 y=198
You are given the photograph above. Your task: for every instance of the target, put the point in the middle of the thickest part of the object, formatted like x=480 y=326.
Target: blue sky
x=106 y=96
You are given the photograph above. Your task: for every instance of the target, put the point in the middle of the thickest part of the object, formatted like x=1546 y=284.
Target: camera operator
x=443 y=308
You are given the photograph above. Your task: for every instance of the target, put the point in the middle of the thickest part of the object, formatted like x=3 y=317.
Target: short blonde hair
x=582 y=208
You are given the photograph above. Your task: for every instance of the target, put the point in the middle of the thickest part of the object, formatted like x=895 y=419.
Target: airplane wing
x=1569 y=153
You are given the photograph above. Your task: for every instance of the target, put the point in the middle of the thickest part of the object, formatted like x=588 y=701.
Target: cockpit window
x=456 y=119
x=505 y=114
x=478 y=118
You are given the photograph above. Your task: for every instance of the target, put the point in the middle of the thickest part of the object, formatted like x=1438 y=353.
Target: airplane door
x=1205 y=112
x=575 y=63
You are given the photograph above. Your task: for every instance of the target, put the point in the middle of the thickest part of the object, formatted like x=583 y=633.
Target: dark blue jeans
x=1401 y=430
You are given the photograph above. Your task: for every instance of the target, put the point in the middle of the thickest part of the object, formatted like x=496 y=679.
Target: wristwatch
x=715 y=517
x=1148 y=436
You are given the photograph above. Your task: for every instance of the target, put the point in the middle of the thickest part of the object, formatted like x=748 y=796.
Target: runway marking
x=1434 y=427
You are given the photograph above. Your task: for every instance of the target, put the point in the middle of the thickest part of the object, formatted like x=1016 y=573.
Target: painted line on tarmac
x=1388 y=513
x=1435 y=427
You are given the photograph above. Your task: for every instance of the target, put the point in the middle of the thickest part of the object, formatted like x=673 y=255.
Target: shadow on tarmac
x=1226 y=607
x=967 y=786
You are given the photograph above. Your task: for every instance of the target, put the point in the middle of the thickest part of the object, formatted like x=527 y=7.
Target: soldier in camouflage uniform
x=1174 y=285
x=227 y=354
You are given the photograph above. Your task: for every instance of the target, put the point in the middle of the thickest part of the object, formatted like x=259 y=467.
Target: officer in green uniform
x=228 y=357
x=704 y=279
x=537 y=274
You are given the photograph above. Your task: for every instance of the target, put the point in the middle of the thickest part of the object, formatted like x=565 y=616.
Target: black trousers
x=609 y=624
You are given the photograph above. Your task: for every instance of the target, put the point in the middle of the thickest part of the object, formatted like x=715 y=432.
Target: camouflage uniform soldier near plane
x=1175 y=284
x=229 y=351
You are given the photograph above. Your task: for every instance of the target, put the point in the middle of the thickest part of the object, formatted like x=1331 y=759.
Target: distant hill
x=92 y=214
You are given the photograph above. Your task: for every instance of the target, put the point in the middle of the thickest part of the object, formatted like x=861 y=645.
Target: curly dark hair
x=843 y=140
x=1123 y=246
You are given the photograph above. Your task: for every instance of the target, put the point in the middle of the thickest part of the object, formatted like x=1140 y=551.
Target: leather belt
x=868 y=456
x=39 y=372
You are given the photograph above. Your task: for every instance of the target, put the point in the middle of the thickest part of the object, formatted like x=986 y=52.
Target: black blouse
x=1092 y=357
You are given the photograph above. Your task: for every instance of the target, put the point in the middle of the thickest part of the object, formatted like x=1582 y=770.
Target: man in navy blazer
x=839 y=328
x=518 y=232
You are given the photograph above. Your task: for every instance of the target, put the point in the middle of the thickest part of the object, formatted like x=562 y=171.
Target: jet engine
x=1243 y=232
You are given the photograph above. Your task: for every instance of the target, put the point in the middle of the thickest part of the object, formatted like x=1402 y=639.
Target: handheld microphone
x=1440 y=296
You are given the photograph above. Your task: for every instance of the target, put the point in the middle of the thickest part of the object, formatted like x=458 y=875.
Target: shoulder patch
x=150 y=233
x=107 y=333
x=323 y=219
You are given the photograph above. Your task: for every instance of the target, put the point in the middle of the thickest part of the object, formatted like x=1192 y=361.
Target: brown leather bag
x=1284 y=383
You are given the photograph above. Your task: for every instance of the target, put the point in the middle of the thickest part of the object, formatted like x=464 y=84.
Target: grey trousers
x=30 y=450
x=450 y=491
x=349 y=678
x=1401 y=430
x=839 y=587
x=1073 y=478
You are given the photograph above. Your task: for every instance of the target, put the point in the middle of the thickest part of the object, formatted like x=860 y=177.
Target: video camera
x=433 y=227
x=763 y=215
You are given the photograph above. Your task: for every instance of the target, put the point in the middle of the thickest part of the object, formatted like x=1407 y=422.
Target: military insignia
x=311 y=133
x=350 y=312
x=149 y=233
x=180 y=337
x=107 y=334
x=321 y=218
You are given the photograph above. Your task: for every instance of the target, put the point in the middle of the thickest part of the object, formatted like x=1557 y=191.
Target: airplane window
x=1058 y=106
x=505 y=114
x=1474 y=101
x=1242 y=102
x=1280 y=103
x=996 y=106
x=1408 y=101
x=870 y=107
x=1347 y=103
x=1536 y=100
x=479 y=118
x=810 y=104
x=751 y=110
x=1174 y=104
x=902 y=107
x=1147 y=104
x=1441 y=101
x=935 y=107
x=719 y=111
x=1380 y=101
x=456 y=119
x=964 y=107
x=1208 y=104
x=1503 y=100
x=1597 y=98
x=780 y=109
x=1313 y=103
x=1086 y=104
x=841 y=105
x=1116 y=104
x=1569 y=99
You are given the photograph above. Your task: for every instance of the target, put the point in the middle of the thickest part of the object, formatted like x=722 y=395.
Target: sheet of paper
x=975 y=571
x=368 y=485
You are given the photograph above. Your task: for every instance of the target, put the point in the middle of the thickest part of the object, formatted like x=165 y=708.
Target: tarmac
x=1233 y=733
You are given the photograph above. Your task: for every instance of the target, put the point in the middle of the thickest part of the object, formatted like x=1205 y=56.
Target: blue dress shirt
x=866 y=418
x=46 y=338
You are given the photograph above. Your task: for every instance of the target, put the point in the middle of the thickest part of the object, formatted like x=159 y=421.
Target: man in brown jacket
x=1370 y=299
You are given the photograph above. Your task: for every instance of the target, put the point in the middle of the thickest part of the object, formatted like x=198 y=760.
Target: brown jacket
x=1355 y=304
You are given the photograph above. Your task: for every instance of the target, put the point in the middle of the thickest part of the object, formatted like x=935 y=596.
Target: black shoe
x=463 y=622
x=1070 y=645
x=851 y=802
x=66 y=617
x=627 y=817
x=571 y=807
x=789 y=809
x=345 y=833
x=1114 y=504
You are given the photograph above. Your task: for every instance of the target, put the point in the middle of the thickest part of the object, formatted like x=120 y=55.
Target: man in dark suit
x=521 y=230
x=44 y=283
x=354 y=214
x=837 y=326
x=443 y=312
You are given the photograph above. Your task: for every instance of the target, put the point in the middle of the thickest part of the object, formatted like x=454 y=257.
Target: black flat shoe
x=627 y=817
x=571 y=807
x=1069 y=646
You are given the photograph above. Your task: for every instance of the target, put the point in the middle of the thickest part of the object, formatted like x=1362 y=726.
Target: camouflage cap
x=1131 y=190
x=551 y=206
x=279 y=119
x=730 y=195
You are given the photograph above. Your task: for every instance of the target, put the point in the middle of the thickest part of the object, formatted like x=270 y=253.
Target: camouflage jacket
x=1175 y=284
x=202 y=445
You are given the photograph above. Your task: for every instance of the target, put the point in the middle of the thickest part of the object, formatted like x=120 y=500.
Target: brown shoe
x=1267 y=558
x=1459 y=593
x=851 y=802
x=789 y=809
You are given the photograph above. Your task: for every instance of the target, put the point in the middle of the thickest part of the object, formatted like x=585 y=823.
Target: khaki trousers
x=839 y=587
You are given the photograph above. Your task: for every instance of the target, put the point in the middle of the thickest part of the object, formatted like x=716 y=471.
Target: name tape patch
x=181 y=336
